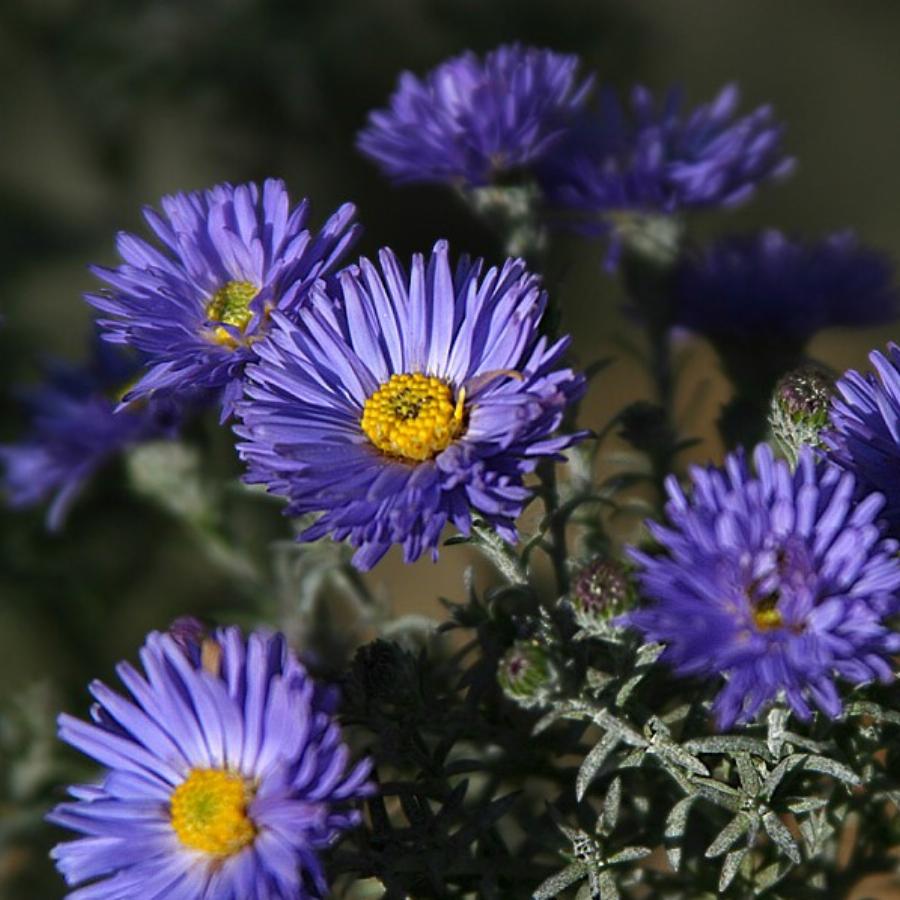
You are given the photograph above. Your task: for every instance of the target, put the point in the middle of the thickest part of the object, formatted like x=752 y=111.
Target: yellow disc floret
x=766 y=616
x=231 y=305
x=209 y=812
x=413 y=416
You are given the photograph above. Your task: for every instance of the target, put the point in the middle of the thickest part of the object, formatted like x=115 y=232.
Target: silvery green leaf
x=776 y=722
x=627 y=689
x=716 y=792
x=633 y=760
x=816 y=831
x=676 y=821
x=594 y=761
x=629 y=854
x=597 y=680
x=731 y=867
x=739 y=825
x=678 y=755
x=169 y=473
x=678 y=714
x=559 y=711
x=648 y=654
x=611 y=803
x=775 y=777
x=804 y=743
x=750 y=780
x=874 y=710
x=778 y=831
x=769 y=877
x=806 y=805
x=728 y=743
x=558 y=882
x=831 y=767
x=601 y=886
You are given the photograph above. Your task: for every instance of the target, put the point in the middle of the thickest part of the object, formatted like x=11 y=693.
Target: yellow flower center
x=209 y=812
x=413 y=416
x=766 y=616
x=231 y=305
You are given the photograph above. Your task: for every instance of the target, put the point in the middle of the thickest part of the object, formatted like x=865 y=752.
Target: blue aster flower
x=407 y=401
x=196 y=307
x=226 y=777
x=75 y=430
x=779 y=581
x=656 y=159
x=768 y=285
x=865 y=434
x=471 y=119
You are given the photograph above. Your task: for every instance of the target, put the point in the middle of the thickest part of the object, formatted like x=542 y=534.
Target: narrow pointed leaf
x=731 y=867
x=739 y=825
x=557 y=883
x=778 y=831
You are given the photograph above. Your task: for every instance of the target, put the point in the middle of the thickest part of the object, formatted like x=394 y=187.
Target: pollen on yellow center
x=209 y=812
x=413 y=416
x=231 y=305
x=766 y=616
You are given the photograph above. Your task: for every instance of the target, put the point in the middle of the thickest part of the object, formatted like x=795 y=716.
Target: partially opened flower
x=471 y=119
x=781 y=582
x=230 y=256
x=226 y=777
x=74 y=430
x=865 y=437
x=655 y=158
x=407 y=402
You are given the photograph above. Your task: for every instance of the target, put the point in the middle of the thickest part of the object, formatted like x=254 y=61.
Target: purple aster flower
x=471 y=119
x=75 y=430
x=408 y=401
x=865 y=434
x=768 y=285
x=656 y=159
x=230 y=257
x=779 y=581
x=226 y=777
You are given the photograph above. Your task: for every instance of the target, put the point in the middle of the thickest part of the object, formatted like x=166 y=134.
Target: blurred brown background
x=105 y=105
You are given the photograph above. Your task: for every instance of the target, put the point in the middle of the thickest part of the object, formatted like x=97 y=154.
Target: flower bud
x=600 y=592
x=527 y=674
x=799 y=411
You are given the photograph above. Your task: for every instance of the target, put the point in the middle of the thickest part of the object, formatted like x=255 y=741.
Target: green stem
x=558 y=550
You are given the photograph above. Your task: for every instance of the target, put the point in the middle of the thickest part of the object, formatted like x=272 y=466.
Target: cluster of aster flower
x=388 y=402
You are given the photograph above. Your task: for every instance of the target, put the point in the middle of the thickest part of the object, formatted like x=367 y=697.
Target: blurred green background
x=106 y=105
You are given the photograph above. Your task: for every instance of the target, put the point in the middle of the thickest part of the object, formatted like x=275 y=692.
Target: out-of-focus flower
x=408 y=402
x=227 y=776
x=769 y=286
x=620 y=165
x=865 y=434
x=230 y=257
x=74 y=430
x=779 y=581
x=471 y=120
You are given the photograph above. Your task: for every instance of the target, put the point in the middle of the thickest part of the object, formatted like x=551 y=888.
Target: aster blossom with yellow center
x=781 y=581
x=197 y=305
x=227 y=776
x=404 y=401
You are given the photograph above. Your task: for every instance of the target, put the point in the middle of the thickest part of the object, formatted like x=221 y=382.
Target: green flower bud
x=799 y=411
x=527 y=674
x=601 y=591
